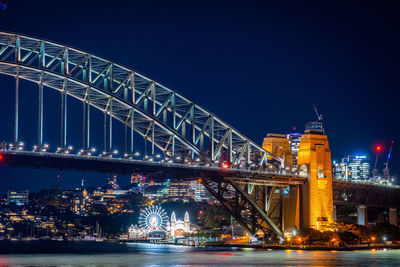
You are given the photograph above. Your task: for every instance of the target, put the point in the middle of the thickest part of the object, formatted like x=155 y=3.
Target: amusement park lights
x=153 y=218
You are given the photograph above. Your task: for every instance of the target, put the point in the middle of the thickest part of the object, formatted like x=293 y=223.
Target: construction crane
x=386 y=174
x=318 y=124
x=319 y=116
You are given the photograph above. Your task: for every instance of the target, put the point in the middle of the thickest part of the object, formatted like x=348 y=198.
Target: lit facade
x=19 y=198
x=200 y=193
x=82 y=203
x=179 y=228
x=180 y=190
x=294 y=142
x=352 y=168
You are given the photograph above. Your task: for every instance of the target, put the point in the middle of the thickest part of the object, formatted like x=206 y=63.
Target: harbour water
x=83 y=253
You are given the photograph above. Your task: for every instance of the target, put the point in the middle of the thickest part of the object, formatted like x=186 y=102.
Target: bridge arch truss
x=165 y=119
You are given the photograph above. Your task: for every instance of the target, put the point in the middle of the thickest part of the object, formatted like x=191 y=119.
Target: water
x=110 y=253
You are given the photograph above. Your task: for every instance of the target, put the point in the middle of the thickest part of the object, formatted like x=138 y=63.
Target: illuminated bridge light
x=225 y=165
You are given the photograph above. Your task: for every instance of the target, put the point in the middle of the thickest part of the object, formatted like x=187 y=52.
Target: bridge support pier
x=314 y=161
x=245 y=205
x=362 y=215
x=393 y=216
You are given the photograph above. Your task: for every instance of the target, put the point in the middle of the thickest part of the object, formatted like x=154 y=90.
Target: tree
x=214 y=216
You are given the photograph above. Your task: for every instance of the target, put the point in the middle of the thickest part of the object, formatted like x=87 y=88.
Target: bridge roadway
x=374 y=195
x=344 y=192
x=149 y=168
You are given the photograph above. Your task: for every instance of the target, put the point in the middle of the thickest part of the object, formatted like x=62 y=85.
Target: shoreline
x=229 y=246
x=284 y=247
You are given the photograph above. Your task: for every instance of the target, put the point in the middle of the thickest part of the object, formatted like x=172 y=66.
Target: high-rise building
x=352 y=168
x=81 y=203
x=200 y=193
x=179 y=190
x=339 y=170
x=294 y=142
x=20 y=198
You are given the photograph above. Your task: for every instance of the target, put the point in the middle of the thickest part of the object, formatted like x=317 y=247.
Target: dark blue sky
x=259 y=65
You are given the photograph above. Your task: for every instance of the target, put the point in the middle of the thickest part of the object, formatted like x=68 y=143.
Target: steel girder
x=167 y=119
x=245 y=203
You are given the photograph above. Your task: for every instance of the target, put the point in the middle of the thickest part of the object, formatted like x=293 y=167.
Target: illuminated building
x=164 y=190
x=294 y=142
x=152 y=190
x=178 y=228
x=135 y=232
x=200 y=193
x=81 y=203
x=180 y=190
x=352 y=168
x=19 y=198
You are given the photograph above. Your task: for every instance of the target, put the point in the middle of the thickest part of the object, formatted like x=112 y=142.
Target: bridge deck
x=129 y=166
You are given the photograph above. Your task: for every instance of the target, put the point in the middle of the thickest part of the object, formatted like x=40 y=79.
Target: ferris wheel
x=153 y=218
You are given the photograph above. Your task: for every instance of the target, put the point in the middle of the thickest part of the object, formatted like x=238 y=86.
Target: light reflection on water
x=105 y=254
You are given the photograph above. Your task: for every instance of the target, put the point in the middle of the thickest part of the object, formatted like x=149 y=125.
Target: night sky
x=259 y=65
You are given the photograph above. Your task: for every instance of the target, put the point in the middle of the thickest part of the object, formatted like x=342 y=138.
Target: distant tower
x=173 y=217
x=186 y=222
x=173 y=224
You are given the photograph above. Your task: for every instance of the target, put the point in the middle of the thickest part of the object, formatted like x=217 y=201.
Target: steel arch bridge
x=163 y=117
x=194 y=142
